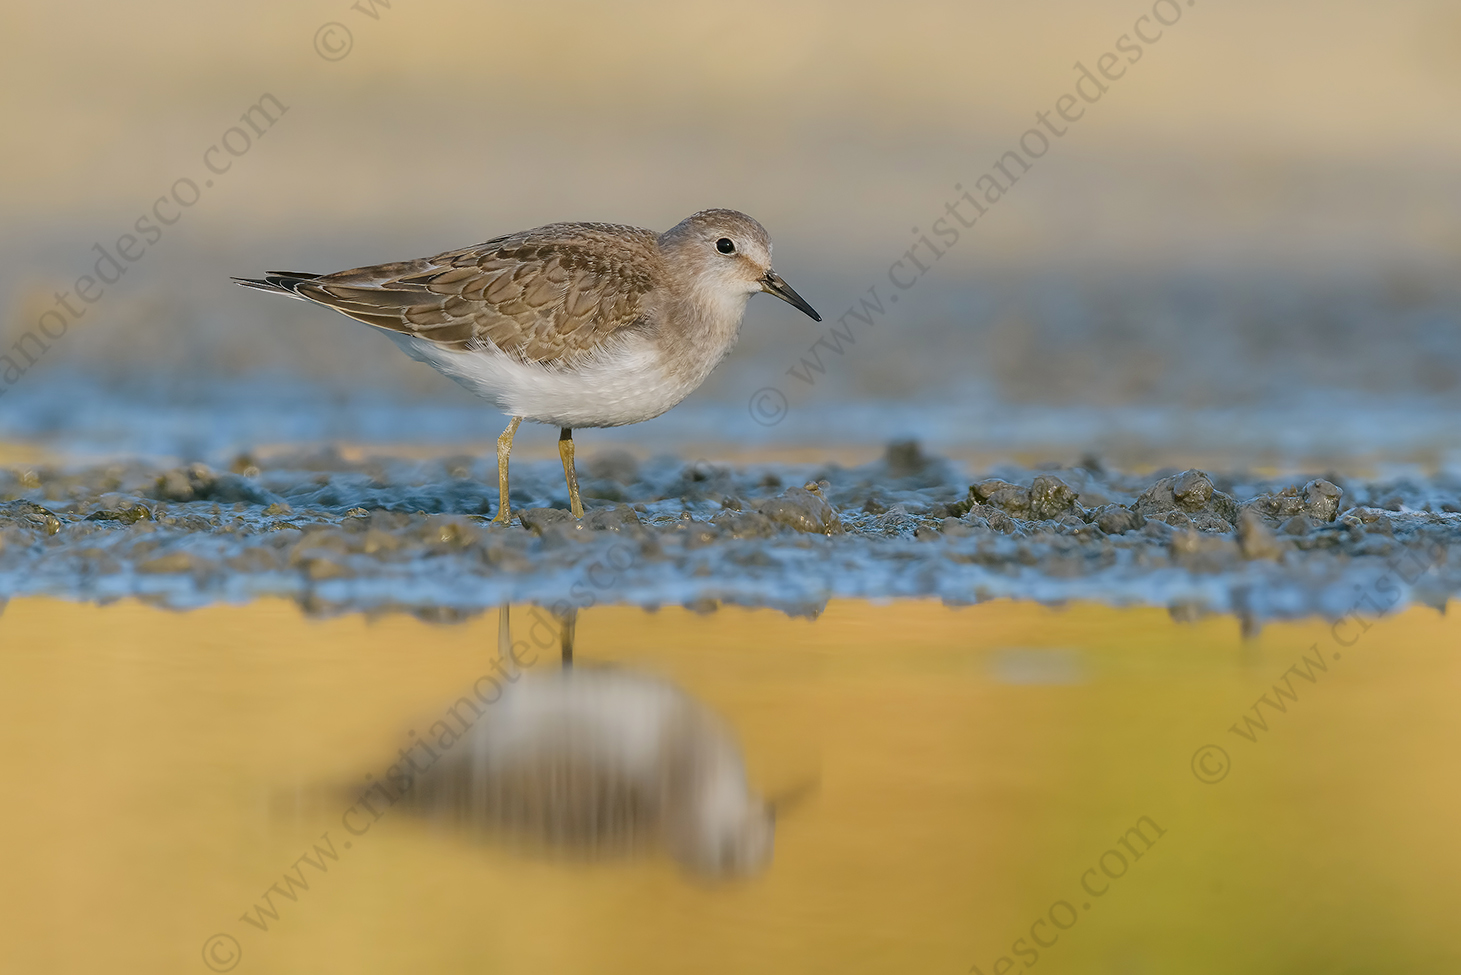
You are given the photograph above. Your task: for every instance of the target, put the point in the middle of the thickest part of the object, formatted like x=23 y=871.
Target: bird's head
x=729 y=253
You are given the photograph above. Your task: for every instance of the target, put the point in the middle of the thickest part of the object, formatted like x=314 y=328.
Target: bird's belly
x=625 y=385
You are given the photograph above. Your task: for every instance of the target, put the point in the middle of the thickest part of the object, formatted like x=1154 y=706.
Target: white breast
x=623 y=384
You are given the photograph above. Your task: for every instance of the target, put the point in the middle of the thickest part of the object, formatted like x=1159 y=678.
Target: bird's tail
x=278 y=282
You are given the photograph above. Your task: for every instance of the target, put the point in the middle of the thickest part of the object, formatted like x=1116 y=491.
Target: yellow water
x=973 y=766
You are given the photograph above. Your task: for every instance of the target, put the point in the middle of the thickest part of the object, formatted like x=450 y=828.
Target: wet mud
x=389 y=535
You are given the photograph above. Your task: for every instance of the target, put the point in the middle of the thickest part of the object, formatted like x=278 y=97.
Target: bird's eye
x=725 y=245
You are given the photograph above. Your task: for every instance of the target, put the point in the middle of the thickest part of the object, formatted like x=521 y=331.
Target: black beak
x=773 y=285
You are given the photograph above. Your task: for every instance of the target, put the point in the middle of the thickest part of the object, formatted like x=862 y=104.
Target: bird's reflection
x=600 y=762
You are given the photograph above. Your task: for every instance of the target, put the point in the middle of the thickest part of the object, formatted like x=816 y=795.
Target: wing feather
x=548 y=295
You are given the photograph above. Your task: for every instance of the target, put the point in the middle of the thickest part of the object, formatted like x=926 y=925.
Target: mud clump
x=804 y=510
x=905 y=458
x=1047 y=499
x=184 y=484
x=1115 y=519
x=1317 y=500
x=744 y=524
x=120 y=509
x=1009 y=498
x=1297 y=525
x=1321 y=500
x=545 y=521
x=614 y=465
x=1191 y=494
x=199 y=482
x=1370 y=520
x=1050 y=498
x=1002 y=522
x=609 y=475
x=28 y=514
x=1255 y=538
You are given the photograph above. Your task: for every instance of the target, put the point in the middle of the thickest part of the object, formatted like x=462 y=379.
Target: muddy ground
x=387 y=535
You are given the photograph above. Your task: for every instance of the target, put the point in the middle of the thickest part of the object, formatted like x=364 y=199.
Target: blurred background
x=1244 y=257
x=1248 y=246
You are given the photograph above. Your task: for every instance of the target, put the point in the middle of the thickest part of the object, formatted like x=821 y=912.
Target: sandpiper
x=572 y=324
x=601 y=762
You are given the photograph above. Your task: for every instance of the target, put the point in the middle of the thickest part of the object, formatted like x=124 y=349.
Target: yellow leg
x=565 y=451
x=569 y=622
x=504 y=637
x=504 y=448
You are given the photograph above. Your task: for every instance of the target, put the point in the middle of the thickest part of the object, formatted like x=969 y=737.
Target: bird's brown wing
x=549 y=295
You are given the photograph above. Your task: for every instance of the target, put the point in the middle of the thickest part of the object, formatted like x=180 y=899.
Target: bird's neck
x=703 y=324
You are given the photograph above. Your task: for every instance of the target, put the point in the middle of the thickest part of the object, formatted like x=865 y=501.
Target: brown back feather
x=547 y=295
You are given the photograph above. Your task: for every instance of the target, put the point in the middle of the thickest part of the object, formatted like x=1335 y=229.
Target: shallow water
x=972 y=767
x=1229 y=751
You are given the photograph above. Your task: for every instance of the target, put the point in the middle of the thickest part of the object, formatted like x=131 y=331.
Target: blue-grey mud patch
x=387 y=535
